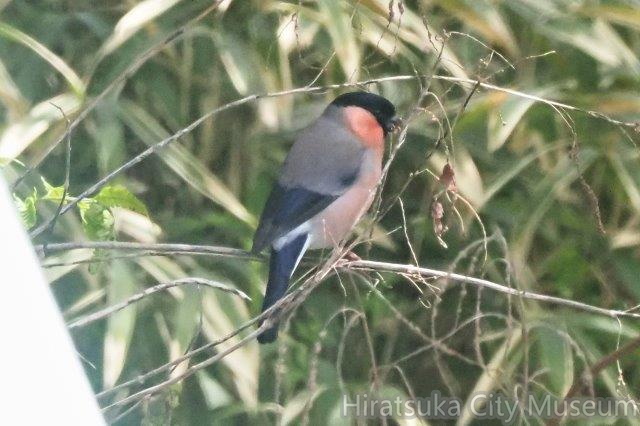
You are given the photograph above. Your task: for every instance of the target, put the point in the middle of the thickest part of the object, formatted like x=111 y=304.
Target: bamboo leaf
x=185 y=164
x=18 y=135
x=122 y=284
x=135 y=19
x=54 y=60
x=338 y=24
x=556 y=358
x=502 y=122
x=627 y=15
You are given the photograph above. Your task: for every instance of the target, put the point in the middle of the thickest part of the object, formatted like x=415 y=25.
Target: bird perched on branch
x=327 y=183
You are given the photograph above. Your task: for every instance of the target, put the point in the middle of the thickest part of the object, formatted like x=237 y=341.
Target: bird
x=328 y=181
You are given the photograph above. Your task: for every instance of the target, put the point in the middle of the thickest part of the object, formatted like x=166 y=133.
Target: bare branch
x=159 y=248
x=596 y=369
x=427 y=272
x=188 y=129
x=291 y=301
x=67 y=172
x=88 y=319
x=366 y=265
x=189 y=371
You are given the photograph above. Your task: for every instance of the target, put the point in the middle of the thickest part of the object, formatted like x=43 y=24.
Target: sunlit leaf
x=631 y=186
x=184 y=163
x=237 y=60
x=21 y=133
x=27 y=209
x=119 y=196
x=501 y=123
x=97 y=221
x=485 y=19
x=296 y=405
x=136 y=18
x=618 y=13
x=122 y=284
x=10 y=95
x=468 y=179
x=338 y=24
x=52 y=193
x=214 y=393
x=137 y=226
x=491 y=376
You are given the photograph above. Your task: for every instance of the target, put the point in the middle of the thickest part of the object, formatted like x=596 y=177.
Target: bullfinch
x=327 y=183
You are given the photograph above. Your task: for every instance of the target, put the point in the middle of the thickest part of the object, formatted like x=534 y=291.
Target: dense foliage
x=556 y=190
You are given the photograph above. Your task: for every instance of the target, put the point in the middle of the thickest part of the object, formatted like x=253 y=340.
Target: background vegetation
x=557 y=191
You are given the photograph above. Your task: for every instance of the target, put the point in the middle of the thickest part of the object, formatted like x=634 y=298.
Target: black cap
x=380 y=107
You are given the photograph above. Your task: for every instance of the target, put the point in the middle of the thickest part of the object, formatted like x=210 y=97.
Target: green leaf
x=503 y=121
x=557 y=358
x=53 y=193
x=27 y=209
x=143 y=13
x=121 y=285
x=188 y=166
x=338 y=25
x=97 y=220
x=11 y=33
x=119 y=196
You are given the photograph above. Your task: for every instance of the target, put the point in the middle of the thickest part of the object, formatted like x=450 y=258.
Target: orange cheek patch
x=364 y=125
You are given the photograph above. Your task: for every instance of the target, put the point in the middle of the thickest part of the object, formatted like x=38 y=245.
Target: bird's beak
x=394 y=125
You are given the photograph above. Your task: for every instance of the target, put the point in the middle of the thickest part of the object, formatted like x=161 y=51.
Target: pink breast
x=334 y=223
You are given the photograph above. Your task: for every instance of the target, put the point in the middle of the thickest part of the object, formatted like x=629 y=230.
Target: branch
x=478 y=282
x=184 y=131
x=287 y=304
x=189 y=371
x=81 y=322
x=366 y=265
x=603 y=363
x=280 y=309
x=160 y=248
x=67 y=172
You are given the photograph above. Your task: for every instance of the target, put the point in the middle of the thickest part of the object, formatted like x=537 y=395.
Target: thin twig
x=269 y=317
x=88 y=319
x=188 y=129
x=152 y=390
x=427 y=272
x=596 y=369
x=357 y=265
x=160 y=248
x=67 y=172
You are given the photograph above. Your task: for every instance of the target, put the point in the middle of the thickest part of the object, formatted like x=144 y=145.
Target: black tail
x=281 y=266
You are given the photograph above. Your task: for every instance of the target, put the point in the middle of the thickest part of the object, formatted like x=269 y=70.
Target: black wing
x=286 y=209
